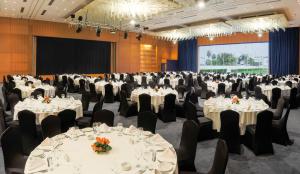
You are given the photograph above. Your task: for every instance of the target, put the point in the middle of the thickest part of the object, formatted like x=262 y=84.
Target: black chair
x=104 y=116
x=18 y=92
x=259 y=137
x=145 y=103
x=279 y=109
x=188 y=146
x=109 y=95
x=13 y=99
x=81 y=85
x=167 y=83
x=167 y=111
x=220 y=159
x=230 y=130
x=274 y=82
x=67 y=119
x=210 y=94
x=2 y=119
x=293 y=98
x=147 y=120
x=28 y=83
x=14 y=161
x=85 y=100
x=127 y=108
x=71 y=86
x=279 y=130
x=276 y=94
x=221 y=89
x=93 y=92
x=51 y=126
x=28 y=129
x=60 y=93
x=46 y=81
x=37 y=92
x=144 y=81
x=205 y=124
x=289 y=84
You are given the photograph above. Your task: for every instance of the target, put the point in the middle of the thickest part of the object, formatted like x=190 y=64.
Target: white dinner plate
x=147 y=133
x=165 y=167
x=88 y=129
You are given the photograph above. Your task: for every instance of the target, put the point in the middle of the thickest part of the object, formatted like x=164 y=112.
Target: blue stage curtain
x=187 y=55
x=284 y=51
x=172 y=65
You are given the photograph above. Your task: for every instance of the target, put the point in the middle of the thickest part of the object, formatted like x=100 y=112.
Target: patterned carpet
x=285 y=160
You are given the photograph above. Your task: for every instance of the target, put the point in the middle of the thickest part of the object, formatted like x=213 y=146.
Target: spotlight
x=125 y=35
x=260 y=34
x=139 y=36
x=201 y=4
x=211 y=38
x=132 y=22
x=72 y=16
x=80 y=18
x=174 y=42
x=98 y=31
x=78 y=29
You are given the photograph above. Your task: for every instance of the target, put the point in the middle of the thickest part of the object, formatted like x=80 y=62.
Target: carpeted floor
x=286 y=160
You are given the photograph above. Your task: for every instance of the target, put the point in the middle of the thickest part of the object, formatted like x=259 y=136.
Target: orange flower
x=102 y=140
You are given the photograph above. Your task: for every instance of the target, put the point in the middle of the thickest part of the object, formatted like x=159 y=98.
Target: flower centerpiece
x=101 y=145
x=46 y=100
x=235 y=100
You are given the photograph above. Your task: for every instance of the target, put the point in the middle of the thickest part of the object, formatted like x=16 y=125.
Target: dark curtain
x=60 y=55
x=284 y=51
x=172 y=65
x=187 y=55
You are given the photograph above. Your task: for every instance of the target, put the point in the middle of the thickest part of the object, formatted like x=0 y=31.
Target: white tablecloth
x=267 y=90
x=157 y=97
x=213 y=86
x=42 y=110
x=247 y=109
x=75 y=155
x=282 y=83
x=100 y=87
x=173 y=82
x=27 y=90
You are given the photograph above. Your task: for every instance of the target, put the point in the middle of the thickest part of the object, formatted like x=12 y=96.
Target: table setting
x=103 y=149
x=267 y=90
x=99 y=86
x=157 y=95
x=27 y=90
x=247 y=109
x=46 y=106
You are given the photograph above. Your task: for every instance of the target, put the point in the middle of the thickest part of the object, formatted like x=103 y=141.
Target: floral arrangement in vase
x=46 y=100
x=101 y=145
x=235 y=100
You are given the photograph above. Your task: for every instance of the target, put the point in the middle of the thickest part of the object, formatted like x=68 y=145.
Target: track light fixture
x=202 y=3
x=125 y=35
x=98 y=31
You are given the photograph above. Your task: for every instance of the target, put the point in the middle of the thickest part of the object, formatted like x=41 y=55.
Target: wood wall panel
x=16 y=45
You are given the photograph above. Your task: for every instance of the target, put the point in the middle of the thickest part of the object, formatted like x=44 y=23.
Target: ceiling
x=188 y=14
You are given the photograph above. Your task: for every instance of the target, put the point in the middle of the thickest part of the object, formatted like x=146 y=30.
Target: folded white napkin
x=167 y=155
x=103 y=128
x=36 y=165
x=47 y=145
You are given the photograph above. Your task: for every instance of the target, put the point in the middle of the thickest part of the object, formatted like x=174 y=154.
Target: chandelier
x=246 y=25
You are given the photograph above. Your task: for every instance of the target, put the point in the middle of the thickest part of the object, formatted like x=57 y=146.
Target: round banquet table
x=27 y=90
x=267 y=90
x=157 y=97
x=213 y=86
x=42 y=110
x=282 y=83
x=71 y=153
x=173 y=82
x=100 y=87
x=20 y=82
x=247 y=108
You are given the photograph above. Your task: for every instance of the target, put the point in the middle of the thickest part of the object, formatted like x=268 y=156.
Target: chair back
x=92 y=89
x=51 y=126
x=67 y=119
x=18 y=92
x=104 y=116
x=210 y=94
x=147 y=120
x=191 y=112
x=109 y=95
x=276 y=94
x=85 y=100
x=27 y=123
x=11 y=147
x=13 y=99
x=145 y=102
x=220 y=159
x=82 y=85
x=230 y=130
x=221 y=88
x=263 y=130
x=169 y=103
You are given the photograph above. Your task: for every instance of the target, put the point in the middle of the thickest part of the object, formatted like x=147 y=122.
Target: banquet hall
x=149 y=86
